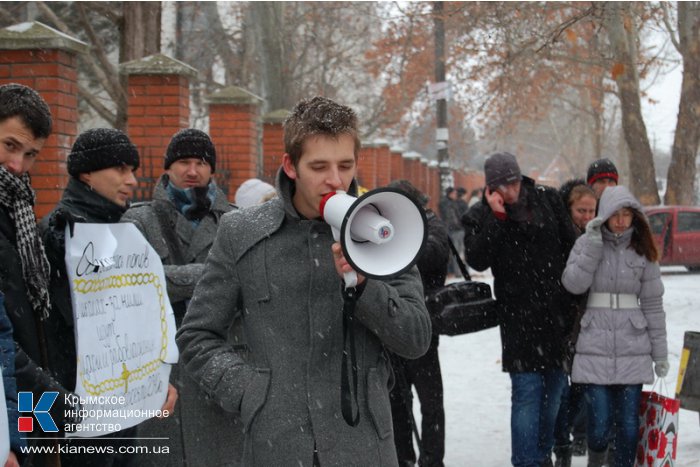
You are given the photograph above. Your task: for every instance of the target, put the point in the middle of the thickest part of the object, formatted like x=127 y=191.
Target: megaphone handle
x=350 y=279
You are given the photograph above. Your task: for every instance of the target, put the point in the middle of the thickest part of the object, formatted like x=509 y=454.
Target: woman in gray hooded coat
x=624 y=327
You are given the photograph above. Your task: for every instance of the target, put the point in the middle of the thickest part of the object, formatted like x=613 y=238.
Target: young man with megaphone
x=279 y=267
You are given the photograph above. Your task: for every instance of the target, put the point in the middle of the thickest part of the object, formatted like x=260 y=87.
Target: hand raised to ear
x=495 y=200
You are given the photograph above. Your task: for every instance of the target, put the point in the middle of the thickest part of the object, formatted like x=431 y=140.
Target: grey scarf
x=17 y=197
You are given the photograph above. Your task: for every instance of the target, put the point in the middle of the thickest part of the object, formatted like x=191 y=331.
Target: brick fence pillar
x=396 y=163
x=434 y=188
x=409 y=172
x=234 y=115
x=46 y=60
x=384 y=174
x=273 y=143
x=423 y=174
x=158 y=93
x=367 y=166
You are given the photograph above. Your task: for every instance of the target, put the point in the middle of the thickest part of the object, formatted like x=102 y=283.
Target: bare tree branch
x=5 y=16
x=108 y=10
x=95 y=103
x=669 y=27
x=114 y=88
x=58 y=22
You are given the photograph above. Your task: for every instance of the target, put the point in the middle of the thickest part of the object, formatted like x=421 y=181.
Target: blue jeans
x=534 y=406
x=614 y=406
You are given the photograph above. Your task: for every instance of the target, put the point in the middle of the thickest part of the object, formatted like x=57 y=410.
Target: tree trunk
x=140 y=37
x=268 y=24
x=622 y=32
x=681 y=173
x=140 y=30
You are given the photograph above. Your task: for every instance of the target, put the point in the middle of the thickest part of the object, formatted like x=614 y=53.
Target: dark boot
x=610 y=456
x=580 y=446
x=563 y=455
x=547 y=462
x=596 y=459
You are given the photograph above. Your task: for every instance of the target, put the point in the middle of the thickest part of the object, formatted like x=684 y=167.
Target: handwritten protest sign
x=124 y=328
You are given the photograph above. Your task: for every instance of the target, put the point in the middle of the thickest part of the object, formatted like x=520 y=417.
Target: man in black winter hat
x=180 y=223
x=523 y=233
x=602 y=173
x=101 y=163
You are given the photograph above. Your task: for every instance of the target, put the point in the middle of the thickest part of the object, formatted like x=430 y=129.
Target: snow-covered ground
x=477 y=392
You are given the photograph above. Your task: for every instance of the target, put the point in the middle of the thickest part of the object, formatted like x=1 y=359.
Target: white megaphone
x=381 y=233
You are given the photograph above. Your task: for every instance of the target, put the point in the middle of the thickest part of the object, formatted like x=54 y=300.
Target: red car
x=677 y=233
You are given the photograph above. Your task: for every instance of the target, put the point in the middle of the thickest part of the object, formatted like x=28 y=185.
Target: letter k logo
x=25 y=403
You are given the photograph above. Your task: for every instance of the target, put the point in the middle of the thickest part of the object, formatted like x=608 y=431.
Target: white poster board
x=124 y=327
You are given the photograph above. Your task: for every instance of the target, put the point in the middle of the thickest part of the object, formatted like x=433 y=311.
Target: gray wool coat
x=616 y=346
x=278 y=268
x=195 y=242
x=198 y=423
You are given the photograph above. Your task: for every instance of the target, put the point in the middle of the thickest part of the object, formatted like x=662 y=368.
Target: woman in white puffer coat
x=624 y=327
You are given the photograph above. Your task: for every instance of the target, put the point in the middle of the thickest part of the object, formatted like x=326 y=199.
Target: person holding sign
x=180 y=223
x=101 y=165
x=25 y=124
x=278 y=267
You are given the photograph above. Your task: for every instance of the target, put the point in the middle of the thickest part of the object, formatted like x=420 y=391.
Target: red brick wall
x=384 y=174
x=396 y=165
x=272 y=149
x=52 y=73
x=414 y=173
x=233 y=129
x=435 y=188
x=158 y=107
x=422 y=180
x=406 y=172
x=469 y=180
x=367 y=167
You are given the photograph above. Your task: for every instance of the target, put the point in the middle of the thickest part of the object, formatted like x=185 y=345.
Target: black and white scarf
x=17 y=197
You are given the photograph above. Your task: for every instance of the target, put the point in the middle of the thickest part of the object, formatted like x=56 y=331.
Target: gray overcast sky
x=660 y=118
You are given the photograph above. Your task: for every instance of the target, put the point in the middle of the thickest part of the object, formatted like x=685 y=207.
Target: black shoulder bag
x=463 y=307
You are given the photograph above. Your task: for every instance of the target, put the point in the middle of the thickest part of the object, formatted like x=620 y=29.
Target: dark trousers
x=423 y=374
x=571 y=418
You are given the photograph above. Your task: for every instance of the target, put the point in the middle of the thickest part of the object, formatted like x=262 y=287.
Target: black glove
x=62 y=218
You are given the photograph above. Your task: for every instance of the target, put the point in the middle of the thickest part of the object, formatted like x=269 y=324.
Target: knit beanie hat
x=253 y=192
x=191 y=143
x=101 y=148
x=501 y=168
x=602 y=168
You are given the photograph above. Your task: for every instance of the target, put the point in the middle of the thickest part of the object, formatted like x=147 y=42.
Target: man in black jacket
x=101 y=165
x=424 y=372
x=523 y=233
x=25 y=124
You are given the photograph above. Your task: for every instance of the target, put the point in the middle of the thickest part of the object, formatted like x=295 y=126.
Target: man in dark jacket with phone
x=522 y=232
